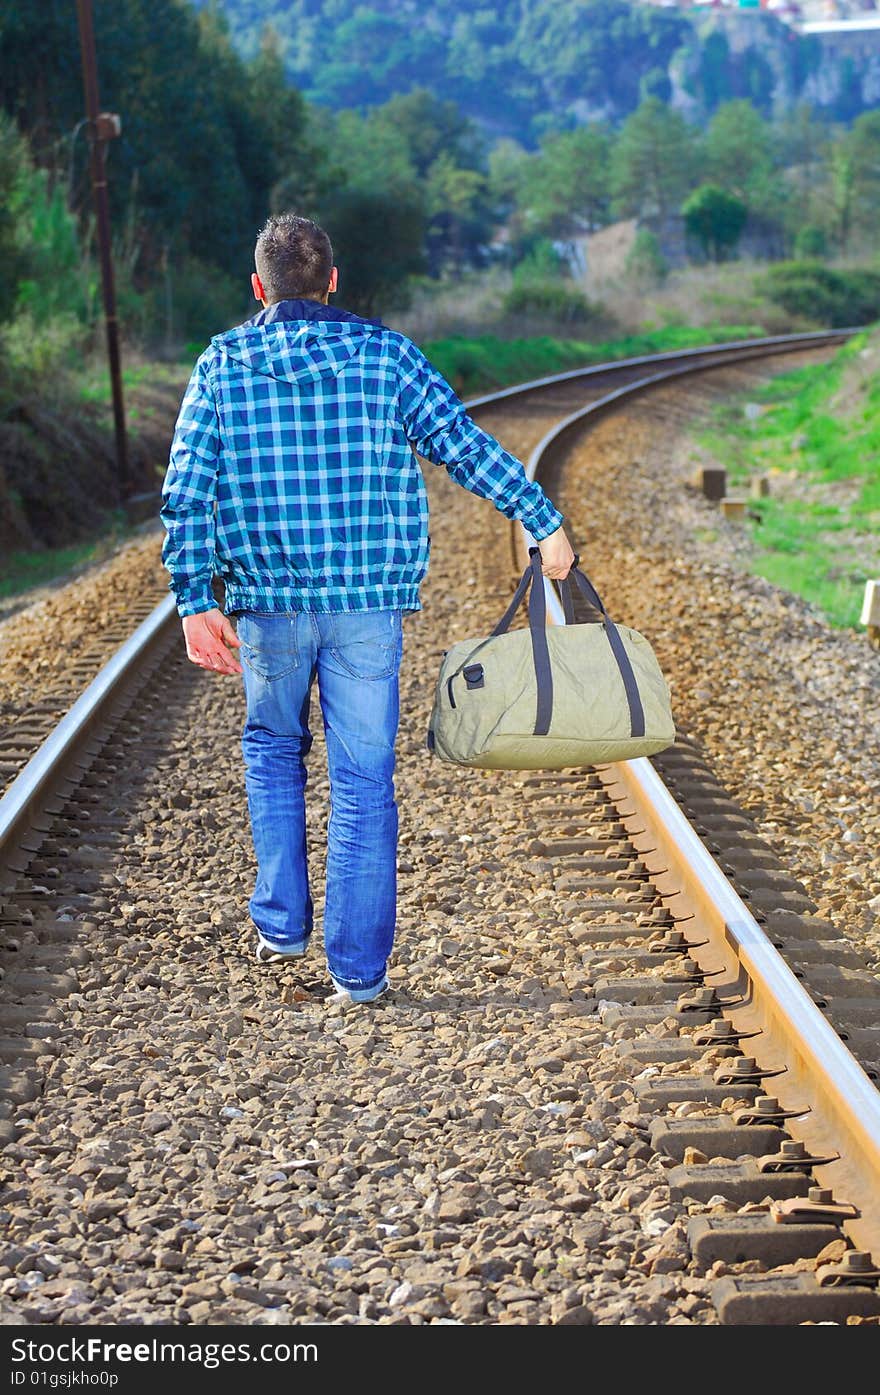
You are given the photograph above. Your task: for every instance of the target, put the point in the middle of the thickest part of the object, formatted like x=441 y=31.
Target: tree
x=740 y=159
x=426 y=127
x=369 y=151
x=377 y=241
x=314 y=168
x=364 y=56
x=597 y=54
x=715 y=218
x=507 y=163
x=801 y=148
x=646 y=265
x=423 y=150
x=565 y=188
x=281 y=107
x=455 y=201
x=362 y=186
x=196 y=144
x=800 y=139
x=653 y=162
x=855 y=165
x=738 y=148
x=843 y=186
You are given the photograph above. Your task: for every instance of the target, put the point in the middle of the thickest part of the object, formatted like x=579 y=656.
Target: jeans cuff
x=361 y=993
x=283 y=946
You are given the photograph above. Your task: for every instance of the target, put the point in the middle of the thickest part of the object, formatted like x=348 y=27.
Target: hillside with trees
x=428 y=201
x=213 y=139
x=521 y=67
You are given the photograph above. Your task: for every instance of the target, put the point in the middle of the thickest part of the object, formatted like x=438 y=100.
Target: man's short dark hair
x=294 y=258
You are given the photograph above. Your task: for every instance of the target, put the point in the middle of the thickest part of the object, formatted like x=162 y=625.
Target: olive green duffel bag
x=550 y=698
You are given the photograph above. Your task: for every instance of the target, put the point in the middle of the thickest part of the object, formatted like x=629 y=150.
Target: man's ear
x=257 y=286
x=334 y=278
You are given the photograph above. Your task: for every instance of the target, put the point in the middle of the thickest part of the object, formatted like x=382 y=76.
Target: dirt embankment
x=58 y=478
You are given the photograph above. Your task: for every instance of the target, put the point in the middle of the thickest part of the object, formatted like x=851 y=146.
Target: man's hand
x=209 y=638
x=557 y=555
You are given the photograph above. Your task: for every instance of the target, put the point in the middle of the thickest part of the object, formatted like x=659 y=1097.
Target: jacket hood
x=297 y=339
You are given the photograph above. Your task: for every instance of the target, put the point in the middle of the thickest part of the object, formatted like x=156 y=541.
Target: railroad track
x=653 y=923
x=24 y=726
x=755 y=968
x=24 y=731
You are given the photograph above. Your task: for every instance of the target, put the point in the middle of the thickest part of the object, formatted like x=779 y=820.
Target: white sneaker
x=342 y=997
x=268 y=954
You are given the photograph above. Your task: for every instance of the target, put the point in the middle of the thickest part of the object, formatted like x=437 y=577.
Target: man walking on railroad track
x=293 y=479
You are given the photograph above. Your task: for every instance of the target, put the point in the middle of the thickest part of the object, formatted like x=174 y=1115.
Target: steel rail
x=821 y=1077
x=24 y=802
x=838 y=1105
x=740 y=353
x=784 y=343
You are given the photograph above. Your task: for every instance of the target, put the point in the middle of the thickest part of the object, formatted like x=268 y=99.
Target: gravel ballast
x=784 y=705
x=214 y=1143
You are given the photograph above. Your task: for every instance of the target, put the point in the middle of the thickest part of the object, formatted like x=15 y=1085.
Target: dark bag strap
x=533 y=577
x=586 y=588
x=567 y=602
x=618 y=648
x=540 y=646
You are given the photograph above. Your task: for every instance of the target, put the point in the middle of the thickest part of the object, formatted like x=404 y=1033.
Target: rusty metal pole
x=99 y=129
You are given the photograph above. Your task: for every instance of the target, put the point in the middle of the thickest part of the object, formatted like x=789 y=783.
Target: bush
x=193 y=301
x=43 y=268
x=542 y=290
x=549 y=300
x=815 y=292
x=645 y=262
x=58 y=276
x=811 y=243
x=47 y=284
x=38 y=354
x=14 y=169
x=542 y=262
x=715 y=218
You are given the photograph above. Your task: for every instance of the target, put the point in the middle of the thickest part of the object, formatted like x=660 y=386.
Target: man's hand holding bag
x=550 y=698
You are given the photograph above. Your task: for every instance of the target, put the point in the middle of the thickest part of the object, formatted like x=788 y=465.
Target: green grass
x=93 y=385
x=481 y=364
x=472 y=365
x=821 y=537
x=21 y=571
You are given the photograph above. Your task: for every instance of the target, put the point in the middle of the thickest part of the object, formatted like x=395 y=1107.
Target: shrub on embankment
x=58 y=478
x=838 y=298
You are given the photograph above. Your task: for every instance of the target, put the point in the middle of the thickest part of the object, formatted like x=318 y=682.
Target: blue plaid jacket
x=293 y=475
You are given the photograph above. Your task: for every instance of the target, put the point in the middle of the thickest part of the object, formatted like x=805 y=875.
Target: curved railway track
x=24 y=728
x=710 y=988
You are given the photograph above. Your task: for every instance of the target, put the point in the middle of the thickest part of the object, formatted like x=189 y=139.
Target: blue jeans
x=356 y=657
